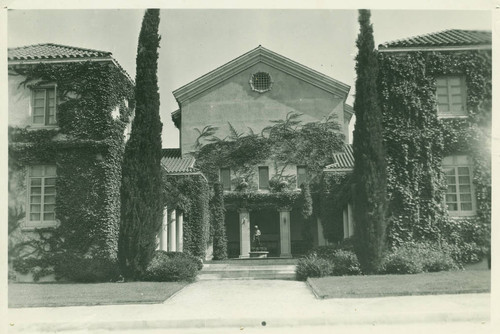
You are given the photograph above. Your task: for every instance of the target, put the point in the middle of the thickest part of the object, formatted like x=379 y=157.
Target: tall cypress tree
x=370 y=203
x=141 y=200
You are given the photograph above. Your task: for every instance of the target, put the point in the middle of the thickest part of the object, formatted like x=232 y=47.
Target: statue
x=256 y=236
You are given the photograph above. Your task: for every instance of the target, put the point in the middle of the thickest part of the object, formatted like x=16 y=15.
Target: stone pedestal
x=180 y=231
x=172 y=234
x=285 y=241
x=164 y=231
x=244 y=222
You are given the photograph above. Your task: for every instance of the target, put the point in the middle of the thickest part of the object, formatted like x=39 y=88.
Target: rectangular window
x=451 y=96
x=42 y=194
x=44 y=106
x=301 y=175
x=264 y=177
x=459 y=187
x=225 y=178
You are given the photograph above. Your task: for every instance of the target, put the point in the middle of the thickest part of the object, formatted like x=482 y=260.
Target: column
x=321 y=237
x=285 y=243
x=172 y=235
x=180 y=231
x=163 y=231
x=345 y=220
x=350 y=220
x=244 y=222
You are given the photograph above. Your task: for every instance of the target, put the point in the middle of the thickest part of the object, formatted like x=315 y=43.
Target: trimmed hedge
x=313 y=266
x=414 y=258
x=345 y=263
x=172 y=267
x=328 y=261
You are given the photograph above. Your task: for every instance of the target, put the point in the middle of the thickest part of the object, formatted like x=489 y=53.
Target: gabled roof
x=173 y=162
x=50 y=52
x=260 y=55
x=344 y=161
x=451 y=39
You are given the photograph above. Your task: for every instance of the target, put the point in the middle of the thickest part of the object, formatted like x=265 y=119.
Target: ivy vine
x=87 y=148
x=417 y=140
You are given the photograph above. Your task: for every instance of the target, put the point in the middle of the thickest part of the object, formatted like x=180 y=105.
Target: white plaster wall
x=19 y=102
x=234 y=101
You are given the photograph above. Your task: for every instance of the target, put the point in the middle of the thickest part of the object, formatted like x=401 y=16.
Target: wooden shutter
x=225 y=178
x=264 y=177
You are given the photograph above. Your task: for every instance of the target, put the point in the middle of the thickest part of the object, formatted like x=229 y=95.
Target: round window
x=261 y=82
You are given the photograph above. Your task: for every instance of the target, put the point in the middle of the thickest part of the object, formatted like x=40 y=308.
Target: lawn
x=447 y=282
x=69 y=294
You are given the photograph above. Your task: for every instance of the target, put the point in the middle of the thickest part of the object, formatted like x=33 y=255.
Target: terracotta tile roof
x=343 y=160
x=53 y=51
x=173 y=162
x=446 y=38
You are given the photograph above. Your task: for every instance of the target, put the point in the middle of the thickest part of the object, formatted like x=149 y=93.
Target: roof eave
x=386 y=49
x=69 y=60
x=176 y=118
x=338 y=170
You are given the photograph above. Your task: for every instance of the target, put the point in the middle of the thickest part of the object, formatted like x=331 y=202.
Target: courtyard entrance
x=269 y=227
x=274 y=226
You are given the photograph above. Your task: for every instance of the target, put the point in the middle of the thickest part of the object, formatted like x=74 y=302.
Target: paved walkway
x=250 y=303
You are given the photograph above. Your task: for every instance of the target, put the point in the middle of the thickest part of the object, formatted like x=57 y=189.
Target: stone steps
x=230 y=271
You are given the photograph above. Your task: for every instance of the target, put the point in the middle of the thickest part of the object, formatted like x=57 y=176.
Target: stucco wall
x=19 y=102
x=234 y=101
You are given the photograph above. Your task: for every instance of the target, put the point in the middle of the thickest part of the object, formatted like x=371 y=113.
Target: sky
x=196 y=41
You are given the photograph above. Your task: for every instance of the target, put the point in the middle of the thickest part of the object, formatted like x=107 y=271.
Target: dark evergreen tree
x=217 y=212
x=370 y=203
x=141 y=200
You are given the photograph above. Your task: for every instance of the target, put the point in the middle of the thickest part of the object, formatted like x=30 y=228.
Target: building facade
x=70 y=112
x=436 y=100
x=244 y=97
x=69 y=117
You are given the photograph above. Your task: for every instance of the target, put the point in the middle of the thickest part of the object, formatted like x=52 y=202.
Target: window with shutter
x=225 y=178
x=301 y=175
x=264 y=177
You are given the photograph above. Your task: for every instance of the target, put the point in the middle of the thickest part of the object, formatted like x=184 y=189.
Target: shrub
x=467 y=240
x=345 y=263
x=438 y=261
x=313 y=266
x=401 y=261
x=324 y=252
x=413 y=258
x=172 y=255
x=171 y=267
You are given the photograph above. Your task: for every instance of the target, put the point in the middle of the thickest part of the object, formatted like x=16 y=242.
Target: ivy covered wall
x=417 y=141
x=191 y=195
x=86 y=148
